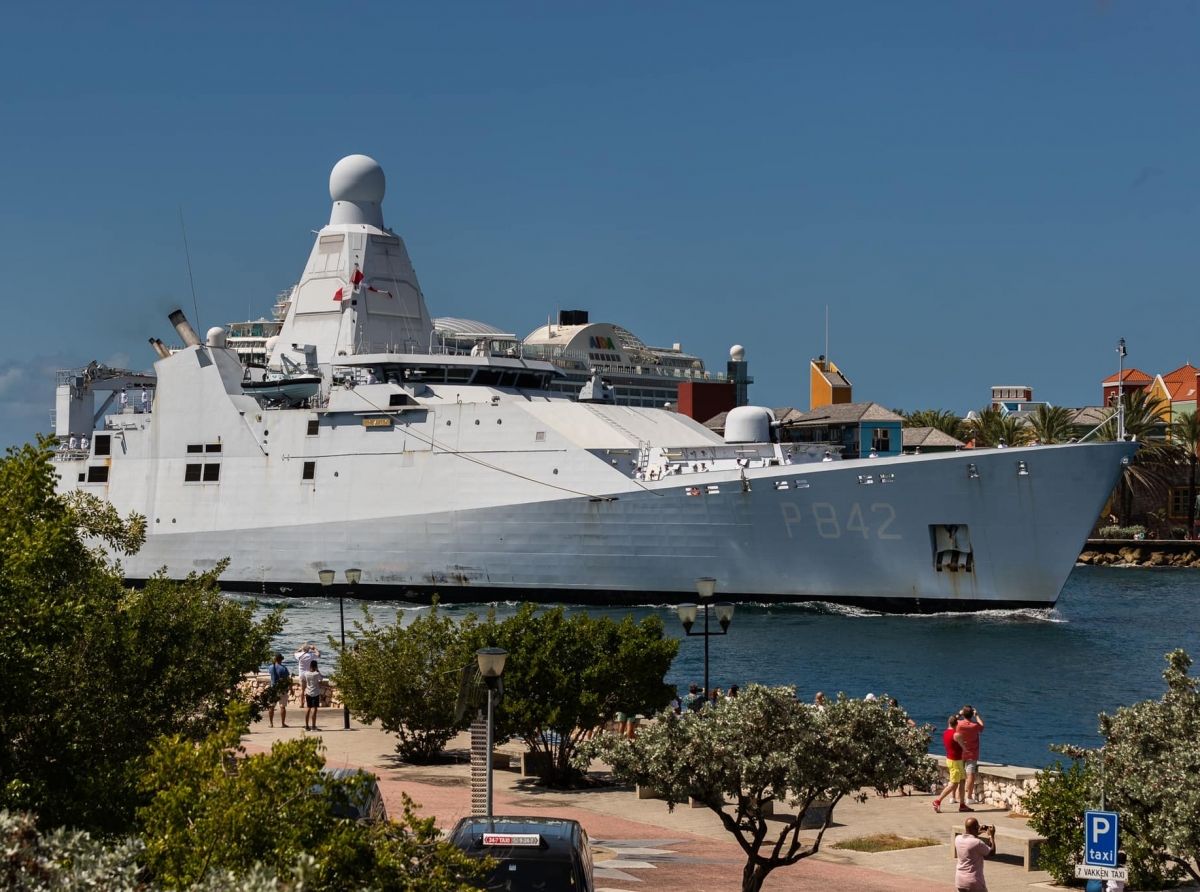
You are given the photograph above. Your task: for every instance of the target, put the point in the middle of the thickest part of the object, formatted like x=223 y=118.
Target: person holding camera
x=970 y=848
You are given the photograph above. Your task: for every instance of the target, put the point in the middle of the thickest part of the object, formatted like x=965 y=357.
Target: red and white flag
x=355 y=280
x=339 y=294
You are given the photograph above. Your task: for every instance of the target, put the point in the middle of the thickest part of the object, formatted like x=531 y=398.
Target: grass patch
x=884 y=842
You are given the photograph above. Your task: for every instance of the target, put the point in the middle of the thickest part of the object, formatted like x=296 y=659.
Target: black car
x=534 y=854
x=364 y=803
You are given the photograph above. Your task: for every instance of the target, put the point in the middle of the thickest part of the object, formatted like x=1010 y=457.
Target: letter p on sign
x=1100 y=828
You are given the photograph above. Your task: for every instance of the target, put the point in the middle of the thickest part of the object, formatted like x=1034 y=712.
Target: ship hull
x=836 y=533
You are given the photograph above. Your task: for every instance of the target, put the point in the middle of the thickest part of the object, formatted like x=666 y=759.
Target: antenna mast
x=188 y=255
x=826 y=337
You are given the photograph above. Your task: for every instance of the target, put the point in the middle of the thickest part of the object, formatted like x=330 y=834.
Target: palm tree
x=941 y=419
x=1051 y=424
x=1143 y=417
x=1185 y=433
x=990 y=426
x=1149 y=471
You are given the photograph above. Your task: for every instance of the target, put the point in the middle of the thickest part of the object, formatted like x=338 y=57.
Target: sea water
x=1036 y=677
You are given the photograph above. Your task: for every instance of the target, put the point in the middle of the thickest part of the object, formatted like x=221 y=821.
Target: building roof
x=1129 y=376
x=787 y=414
x=1181 y=383
x=1092 y=415
x=928 y=436
x=717 y=422
x=455 y=325
x=846 y=413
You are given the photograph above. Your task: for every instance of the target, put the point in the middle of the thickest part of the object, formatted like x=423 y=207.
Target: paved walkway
x=643 y=846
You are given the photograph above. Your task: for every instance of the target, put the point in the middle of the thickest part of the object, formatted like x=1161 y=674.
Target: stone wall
x=1141 y=553
x=259 y=682
x=999 y=785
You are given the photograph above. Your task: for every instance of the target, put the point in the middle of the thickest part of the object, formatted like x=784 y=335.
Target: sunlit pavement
x=642 y=845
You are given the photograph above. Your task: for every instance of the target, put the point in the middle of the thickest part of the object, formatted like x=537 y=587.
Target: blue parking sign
x=1100 y=838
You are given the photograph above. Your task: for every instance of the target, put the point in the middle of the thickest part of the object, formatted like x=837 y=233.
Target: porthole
x=556 y=470
x=335 y=473
x=477 y=421
x=447 y=424
x=499 y=421
x=265 y=433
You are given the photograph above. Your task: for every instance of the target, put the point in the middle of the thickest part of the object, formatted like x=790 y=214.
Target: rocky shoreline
x=1140 y=553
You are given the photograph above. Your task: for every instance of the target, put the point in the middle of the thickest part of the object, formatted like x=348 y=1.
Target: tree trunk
x=753 y=876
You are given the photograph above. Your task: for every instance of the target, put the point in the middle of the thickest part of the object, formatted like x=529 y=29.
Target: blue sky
x=981 y=193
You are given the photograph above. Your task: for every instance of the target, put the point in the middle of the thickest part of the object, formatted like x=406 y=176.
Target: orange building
x=827 y=385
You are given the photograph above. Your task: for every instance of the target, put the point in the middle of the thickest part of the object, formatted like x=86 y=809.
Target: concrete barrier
x=1028 y=842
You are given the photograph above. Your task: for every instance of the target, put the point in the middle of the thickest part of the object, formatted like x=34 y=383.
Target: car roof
x=556 y=833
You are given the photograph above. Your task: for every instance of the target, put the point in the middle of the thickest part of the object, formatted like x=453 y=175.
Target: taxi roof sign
x=512 y=839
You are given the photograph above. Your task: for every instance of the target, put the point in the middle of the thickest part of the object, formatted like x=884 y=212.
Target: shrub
x=1129 y=532
x=1056 y=810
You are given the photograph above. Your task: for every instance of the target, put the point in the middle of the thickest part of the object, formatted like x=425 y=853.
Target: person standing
x=281 y=686
x=311 y=678
x=970 y=849
x=305 y=657
x=954 y=765
x=970 y=726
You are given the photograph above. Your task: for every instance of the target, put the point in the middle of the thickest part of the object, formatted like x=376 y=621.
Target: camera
x=986 y=828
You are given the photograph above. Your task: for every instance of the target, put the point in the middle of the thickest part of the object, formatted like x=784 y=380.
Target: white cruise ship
x=366 y=442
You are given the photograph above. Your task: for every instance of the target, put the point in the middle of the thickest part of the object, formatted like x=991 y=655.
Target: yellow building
x=827 y=385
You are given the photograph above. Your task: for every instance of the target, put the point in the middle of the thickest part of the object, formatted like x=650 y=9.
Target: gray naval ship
x=363 y=443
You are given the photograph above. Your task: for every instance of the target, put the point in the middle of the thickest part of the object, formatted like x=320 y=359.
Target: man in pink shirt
x=970 y=850
x=966 y=734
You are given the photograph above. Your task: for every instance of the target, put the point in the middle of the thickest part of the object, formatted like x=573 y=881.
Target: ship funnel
x=160 y=348
x=190 y=338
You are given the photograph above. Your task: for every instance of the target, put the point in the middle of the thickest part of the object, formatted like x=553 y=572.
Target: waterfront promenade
x=642 y=846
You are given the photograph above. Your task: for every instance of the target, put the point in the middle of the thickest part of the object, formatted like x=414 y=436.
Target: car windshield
x=530 y=876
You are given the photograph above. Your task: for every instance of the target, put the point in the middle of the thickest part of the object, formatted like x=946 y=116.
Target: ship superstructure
x=470 y=477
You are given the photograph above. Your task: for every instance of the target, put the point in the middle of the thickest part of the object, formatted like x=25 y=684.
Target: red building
x=1132 y=379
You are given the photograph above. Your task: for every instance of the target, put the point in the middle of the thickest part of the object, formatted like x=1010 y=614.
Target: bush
x=1114 y=532
x=1056 y=810
x=406 y=678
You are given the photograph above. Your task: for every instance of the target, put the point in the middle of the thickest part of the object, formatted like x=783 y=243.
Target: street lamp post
x=352 y=577
x=1121 y=390
x=491 y=667
x=705 y=587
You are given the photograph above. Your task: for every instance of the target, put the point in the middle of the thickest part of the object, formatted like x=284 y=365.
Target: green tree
x=941 y=419
x=406 y=678
x=1185 y=433
x=215 y=809
x=1145 y=769
x=1051 y=424
x=1144 y=413
x=567 y=674
x=764 y=747
x=95 y=672
x=1149 y=473
x=1056 y=806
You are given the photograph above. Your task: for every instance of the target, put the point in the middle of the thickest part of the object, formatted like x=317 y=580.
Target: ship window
x=212 y=473
x=195 y=447
x=310 y=471
x=458 y=376
x=102 y=445
x=191 y=474
x=540 y=437
x=314 y=426
x=509 y=379
x=529 y=381
x=487 y=377
x=98 y=474
x=82 y=476
x=212 y=447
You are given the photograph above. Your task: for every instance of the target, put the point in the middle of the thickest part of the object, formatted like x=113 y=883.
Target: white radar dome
x=215 y=337
x=748 y=424
x=357 y=178
x=737 y=352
